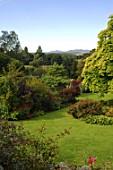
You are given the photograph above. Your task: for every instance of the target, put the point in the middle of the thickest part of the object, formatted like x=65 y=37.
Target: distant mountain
x=56 y=51
x=76 y=51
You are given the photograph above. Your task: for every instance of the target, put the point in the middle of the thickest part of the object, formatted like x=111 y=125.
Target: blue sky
x=55 y=24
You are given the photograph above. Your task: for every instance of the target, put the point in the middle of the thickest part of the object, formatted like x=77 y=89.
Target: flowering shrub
x=24 y=112
x=75 y=83
x=85 y=108
x=68 y=95
x=38 y=96
x=20 y=150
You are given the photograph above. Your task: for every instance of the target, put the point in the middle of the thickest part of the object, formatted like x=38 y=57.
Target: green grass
x=84 y=140
x=96 y=96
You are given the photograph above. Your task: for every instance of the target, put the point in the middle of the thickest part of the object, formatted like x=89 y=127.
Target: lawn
x=96 y=96
x=84 y=140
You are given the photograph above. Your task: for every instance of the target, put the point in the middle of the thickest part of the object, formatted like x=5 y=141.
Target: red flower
x=26 y=105
x=91 y=160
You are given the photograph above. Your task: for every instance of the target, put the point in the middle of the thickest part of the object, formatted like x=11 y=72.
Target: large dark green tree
x=9 y=41
x=56 y=77
x=98 y=70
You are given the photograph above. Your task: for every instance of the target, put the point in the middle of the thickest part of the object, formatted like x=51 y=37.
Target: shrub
x=55 y=102
x=110 y=102
x=8 y=95
x=17 y=90
x=68 y=95
x=100 y=119
x=24 y=112
x=41 y=95
x=37 y=95
x=109 y=112
x=21 y=150
x=4 y=60
x=75 y=83
x=85 y=108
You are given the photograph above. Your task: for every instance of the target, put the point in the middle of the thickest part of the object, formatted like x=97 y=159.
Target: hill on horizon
x=76 y=51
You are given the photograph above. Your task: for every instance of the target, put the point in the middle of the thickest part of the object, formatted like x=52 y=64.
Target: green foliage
x=29 y=70
x=73 y=72
x=70 y=64
x=56 y=77
x=21 y=150
x=39 y=58
x=57 y=58
x=33 y=71
x=40 y=97
x=101 y=119
x=39 y=50
x=8 y=95
x=37 y=62
x=110 y=103
x=98 y=70
x=9 y=89
x=80 y=67
x=24 y=112
x=15 y=70
x=4 y=60
x=9 y=41
x=85 y=108
x=39 y=72
x=25 y=56
x=55 y=102
x=33 y=93
x=16 y=90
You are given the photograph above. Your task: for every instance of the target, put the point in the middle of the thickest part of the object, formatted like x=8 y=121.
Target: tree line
x=47 y=79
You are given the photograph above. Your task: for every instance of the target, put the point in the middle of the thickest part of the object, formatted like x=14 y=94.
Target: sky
x=55 y=24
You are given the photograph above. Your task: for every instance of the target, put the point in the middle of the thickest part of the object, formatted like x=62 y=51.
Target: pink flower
x=91 y=160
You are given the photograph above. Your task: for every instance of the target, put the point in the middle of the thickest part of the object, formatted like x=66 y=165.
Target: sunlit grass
x=84 y=140
x=96 y=96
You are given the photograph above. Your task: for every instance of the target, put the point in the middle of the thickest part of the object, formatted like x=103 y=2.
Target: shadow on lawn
x=53 y=115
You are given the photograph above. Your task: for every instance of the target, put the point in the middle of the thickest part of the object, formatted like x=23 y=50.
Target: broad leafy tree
x=98 y=70
x=9 y=41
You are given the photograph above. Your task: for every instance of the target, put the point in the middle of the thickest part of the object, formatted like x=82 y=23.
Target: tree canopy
x=9 y=41
x=98 y=70
x=56 y=77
